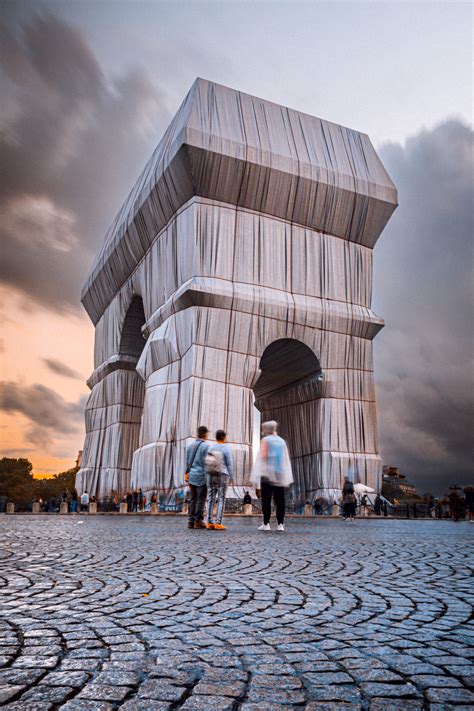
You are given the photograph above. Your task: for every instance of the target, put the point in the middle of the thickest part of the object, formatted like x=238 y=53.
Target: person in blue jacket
x=195 y=476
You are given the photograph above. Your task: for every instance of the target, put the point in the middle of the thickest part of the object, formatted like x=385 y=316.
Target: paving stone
x=104 y=692
x=7 y=692
x=383 y=675
x=19 y=676
x=28 y=662
x=117 y=678
x=64 y=678
x=208 y=703
x=426 y=681
x=280 y=682
x=85 y=705
x=276 y=695
x=397 y=690
x=340 y=692
x=393 y=705
x=50 y=694
x=145 y=705
x=79 y=665
x=29 y=706
x=451 y=695
x=160 y=690
x=323 y=678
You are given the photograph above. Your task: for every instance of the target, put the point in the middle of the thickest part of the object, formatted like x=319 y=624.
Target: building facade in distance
x=239 y=269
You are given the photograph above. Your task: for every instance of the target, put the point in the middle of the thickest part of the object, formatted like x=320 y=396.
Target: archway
x=132 y=387
x=131 y=339
x=288 y=391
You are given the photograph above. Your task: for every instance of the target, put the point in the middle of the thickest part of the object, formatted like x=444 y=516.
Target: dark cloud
x=423 y=289
x=49 y=415
x=55 y=366
x=72 y=141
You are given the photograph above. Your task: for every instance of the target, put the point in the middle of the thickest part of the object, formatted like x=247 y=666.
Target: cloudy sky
x=87 y=90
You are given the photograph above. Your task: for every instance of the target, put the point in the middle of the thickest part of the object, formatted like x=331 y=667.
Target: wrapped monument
x=239 y=269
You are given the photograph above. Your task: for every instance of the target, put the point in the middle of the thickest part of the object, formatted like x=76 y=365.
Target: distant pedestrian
x=247 y=499
x=271 y=474
x=469 y=495
x=195 y=476
x=378 y=505
x=385 y=508
x=140 y=500
x=349 y=501
x=457 y=503
x=364 y=506
x=85 y=502
x=219 y=470
x=431 y=506
x=134 y=500
x=129 y=501
x=74 y=500
x=318 y=506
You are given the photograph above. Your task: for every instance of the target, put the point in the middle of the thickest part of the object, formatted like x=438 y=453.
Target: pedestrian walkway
x=143 y=614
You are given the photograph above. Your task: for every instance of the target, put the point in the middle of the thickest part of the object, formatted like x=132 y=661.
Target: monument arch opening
x=131 y=339
x=289 y=386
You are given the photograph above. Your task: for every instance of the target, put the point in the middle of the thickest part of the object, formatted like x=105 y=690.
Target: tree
x=16 y=480
x=53 y=487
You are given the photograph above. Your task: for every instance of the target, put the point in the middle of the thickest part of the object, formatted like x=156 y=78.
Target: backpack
x=214 y=462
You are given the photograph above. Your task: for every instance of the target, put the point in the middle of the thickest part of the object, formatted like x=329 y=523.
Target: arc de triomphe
x=239 y=269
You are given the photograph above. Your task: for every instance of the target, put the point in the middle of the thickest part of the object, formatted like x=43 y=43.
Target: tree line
x=18 y=484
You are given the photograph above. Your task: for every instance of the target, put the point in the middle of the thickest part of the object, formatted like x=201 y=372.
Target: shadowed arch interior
x=132 y=341
x=286 y=363
x=288 y=389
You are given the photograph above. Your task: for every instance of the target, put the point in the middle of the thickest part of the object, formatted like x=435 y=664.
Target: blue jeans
x=216 y=487
x=197 y=501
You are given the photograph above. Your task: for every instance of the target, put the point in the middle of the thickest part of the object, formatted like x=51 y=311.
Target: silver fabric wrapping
x=251 y=225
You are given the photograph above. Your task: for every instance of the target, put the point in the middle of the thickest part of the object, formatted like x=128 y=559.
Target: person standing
x=378 y=505
x=220 y=471
x=141 y=505
x=349 y=502
x=85 y=501
x=364 y=506
x=195 y=476
x=74 y=500
x=272 y=474
x=469 y=496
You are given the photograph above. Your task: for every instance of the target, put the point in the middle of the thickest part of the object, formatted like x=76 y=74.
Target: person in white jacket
x=272 y=474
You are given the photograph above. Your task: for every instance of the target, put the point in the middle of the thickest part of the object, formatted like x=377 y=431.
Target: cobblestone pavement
x=141 y=613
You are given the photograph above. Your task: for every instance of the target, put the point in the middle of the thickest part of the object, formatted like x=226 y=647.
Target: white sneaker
x=264 y=527
x=280 y=527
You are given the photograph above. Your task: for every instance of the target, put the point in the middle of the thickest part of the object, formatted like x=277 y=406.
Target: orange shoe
x=210 y=526
x=219 y=527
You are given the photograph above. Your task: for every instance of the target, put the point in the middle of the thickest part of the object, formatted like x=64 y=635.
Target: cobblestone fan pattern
x=141 y=613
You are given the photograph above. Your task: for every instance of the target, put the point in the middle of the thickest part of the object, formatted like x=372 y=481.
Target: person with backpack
x=195 y=477
x=219 y=468
x=272 y=474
